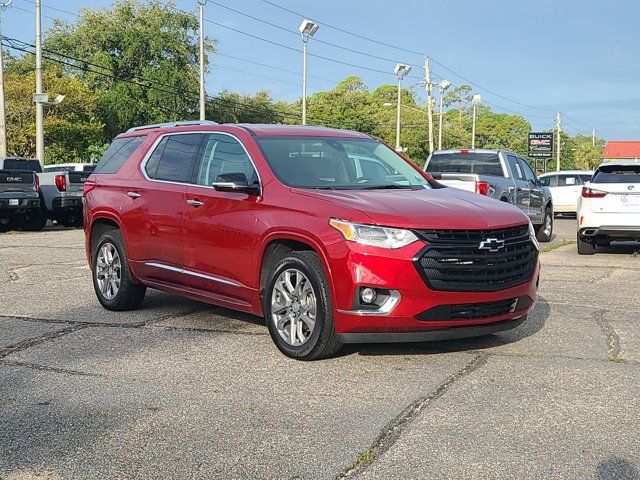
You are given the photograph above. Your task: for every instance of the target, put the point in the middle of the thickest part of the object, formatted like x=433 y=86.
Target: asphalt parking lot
x=181 y=389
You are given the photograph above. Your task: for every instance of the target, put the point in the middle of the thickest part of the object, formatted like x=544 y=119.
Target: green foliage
x=229 y=107
x=133 y=41
x=72 y=130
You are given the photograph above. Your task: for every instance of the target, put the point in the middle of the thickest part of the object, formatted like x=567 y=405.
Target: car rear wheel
x=585 y=247
x=298 y=308
x=112 y=281
x=33 y=220
x=545 y=231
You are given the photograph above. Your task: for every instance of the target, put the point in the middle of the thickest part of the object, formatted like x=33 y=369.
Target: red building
x=621 y=150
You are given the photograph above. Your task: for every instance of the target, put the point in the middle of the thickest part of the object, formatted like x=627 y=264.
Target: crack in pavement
x=613 y=339
x=392 y=431
x=30 y=342
x=47 y=368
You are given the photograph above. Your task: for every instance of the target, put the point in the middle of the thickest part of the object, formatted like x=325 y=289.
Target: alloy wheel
x=108 y=271
x=293 y=307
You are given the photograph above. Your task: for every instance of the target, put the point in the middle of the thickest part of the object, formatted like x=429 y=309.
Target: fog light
x=368 y=295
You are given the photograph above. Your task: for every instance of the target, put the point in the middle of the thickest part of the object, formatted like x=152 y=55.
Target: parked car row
x=30 y=196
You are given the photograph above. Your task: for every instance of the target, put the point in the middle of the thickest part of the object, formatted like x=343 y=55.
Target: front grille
x=454 y=261
x=472 y=311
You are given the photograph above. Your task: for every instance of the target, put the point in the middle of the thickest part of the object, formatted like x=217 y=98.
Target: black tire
x=585 y=247
x=32 y=220
x=542 y=233
x=130 y=294
x=6 y=224
x=323 y=341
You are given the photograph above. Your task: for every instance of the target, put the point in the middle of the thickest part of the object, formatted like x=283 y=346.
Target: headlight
x=373 y=235
x=532 y=235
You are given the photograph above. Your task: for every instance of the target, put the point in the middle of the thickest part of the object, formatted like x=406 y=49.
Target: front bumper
x=356 y=266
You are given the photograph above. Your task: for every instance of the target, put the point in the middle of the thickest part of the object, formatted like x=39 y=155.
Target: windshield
x=338 y=163
x=617 y=174
x=478 y=163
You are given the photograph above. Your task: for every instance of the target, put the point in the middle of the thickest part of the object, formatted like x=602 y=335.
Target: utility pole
x=3 y=125
x=428 y=86
x=593 y=138
x=39 y=106
x=398 y=110
x=558 y=130
x=201 y=4
x=307 y=29
x=442 y=86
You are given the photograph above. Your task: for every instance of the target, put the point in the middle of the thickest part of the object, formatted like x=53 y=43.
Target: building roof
x=622 y=149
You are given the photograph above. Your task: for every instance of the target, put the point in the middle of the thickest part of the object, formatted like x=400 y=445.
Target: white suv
x=565 y=188
x=609 y=207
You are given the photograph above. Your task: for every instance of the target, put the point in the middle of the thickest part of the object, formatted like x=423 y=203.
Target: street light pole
x=201 y=4
x=307 y=29
x=429 y=86
x=3 y=125
x=475 y=100
x=401 y=71
x=558 y=150
x=39 y=106
x=442 y=86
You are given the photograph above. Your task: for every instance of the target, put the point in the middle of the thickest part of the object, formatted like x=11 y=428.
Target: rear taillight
x=87 y=187
x=464 y=151
x=482 y=188
x=36 y=186
x=588 y=192
x=61 y=183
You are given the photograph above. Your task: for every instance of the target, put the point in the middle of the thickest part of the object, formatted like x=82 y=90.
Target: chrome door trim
x=184 y=271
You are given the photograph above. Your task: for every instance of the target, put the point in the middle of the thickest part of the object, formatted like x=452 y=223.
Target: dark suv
x=329 y=234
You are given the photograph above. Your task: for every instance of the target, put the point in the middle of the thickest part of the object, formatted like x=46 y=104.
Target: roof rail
x=173 y=124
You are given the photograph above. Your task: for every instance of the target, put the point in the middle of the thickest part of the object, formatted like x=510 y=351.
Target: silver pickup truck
x=499 y=174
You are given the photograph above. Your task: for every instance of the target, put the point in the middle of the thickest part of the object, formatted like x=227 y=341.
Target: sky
x=581 y=57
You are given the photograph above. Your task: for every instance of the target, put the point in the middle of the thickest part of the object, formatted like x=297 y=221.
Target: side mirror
x=235 y=182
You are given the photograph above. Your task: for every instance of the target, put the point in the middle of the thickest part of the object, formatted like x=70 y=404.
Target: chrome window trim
x=157 y=141
x=193 y=274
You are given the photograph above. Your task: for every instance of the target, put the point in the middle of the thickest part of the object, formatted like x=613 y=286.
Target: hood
x=442 y=208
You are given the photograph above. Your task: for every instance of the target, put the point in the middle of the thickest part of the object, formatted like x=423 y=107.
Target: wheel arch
x=285 y=243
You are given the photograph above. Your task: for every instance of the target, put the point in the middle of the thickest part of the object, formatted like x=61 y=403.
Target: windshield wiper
x=387 y=186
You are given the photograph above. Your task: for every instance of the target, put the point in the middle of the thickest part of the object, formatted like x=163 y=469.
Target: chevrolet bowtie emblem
x=491 y=244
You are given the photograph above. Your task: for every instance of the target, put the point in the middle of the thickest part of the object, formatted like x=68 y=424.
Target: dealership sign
x=540 y=144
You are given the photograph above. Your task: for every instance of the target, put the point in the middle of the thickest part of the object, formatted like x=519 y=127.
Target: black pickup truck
x=19 y=196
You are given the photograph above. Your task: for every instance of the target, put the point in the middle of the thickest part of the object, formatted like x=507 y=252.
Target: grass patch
x=553 y=246
x=617 y=360
x=636 y=254
x=364 y=458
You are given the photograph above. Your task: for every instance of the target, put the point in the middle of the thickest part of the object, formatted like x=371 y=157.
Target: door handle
x=194 y=203
x=133 y=195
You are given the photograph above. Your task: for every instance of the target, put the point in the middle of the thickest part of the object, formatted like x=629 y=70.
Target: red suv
x=329 y=234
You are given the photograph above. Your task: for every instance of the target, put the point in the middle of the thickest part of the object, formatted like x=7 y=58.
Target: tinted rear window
x=617 y=174
x=478 y=163
x=177 y=159
x=117 y=153
x=17 y=164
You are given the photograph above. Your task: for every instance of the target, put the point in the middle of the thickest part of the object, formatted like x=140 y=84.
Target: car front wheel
x=298 y=308
x=112 y=281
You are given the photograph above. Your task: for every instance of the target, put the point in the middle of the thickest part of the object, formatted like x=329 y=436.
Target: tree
x=142 y=58
x=229 y=107
x=348 y=105
x=72 y=132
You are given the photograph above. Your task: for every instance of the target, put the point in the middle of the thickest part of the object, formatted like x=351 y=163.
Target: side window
x=177 y=158
x=549 y=181
x=528 y=173
x=516 y=169
x=224 y=158
x=151 y=167
x=118 y=153
x=568 y=180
